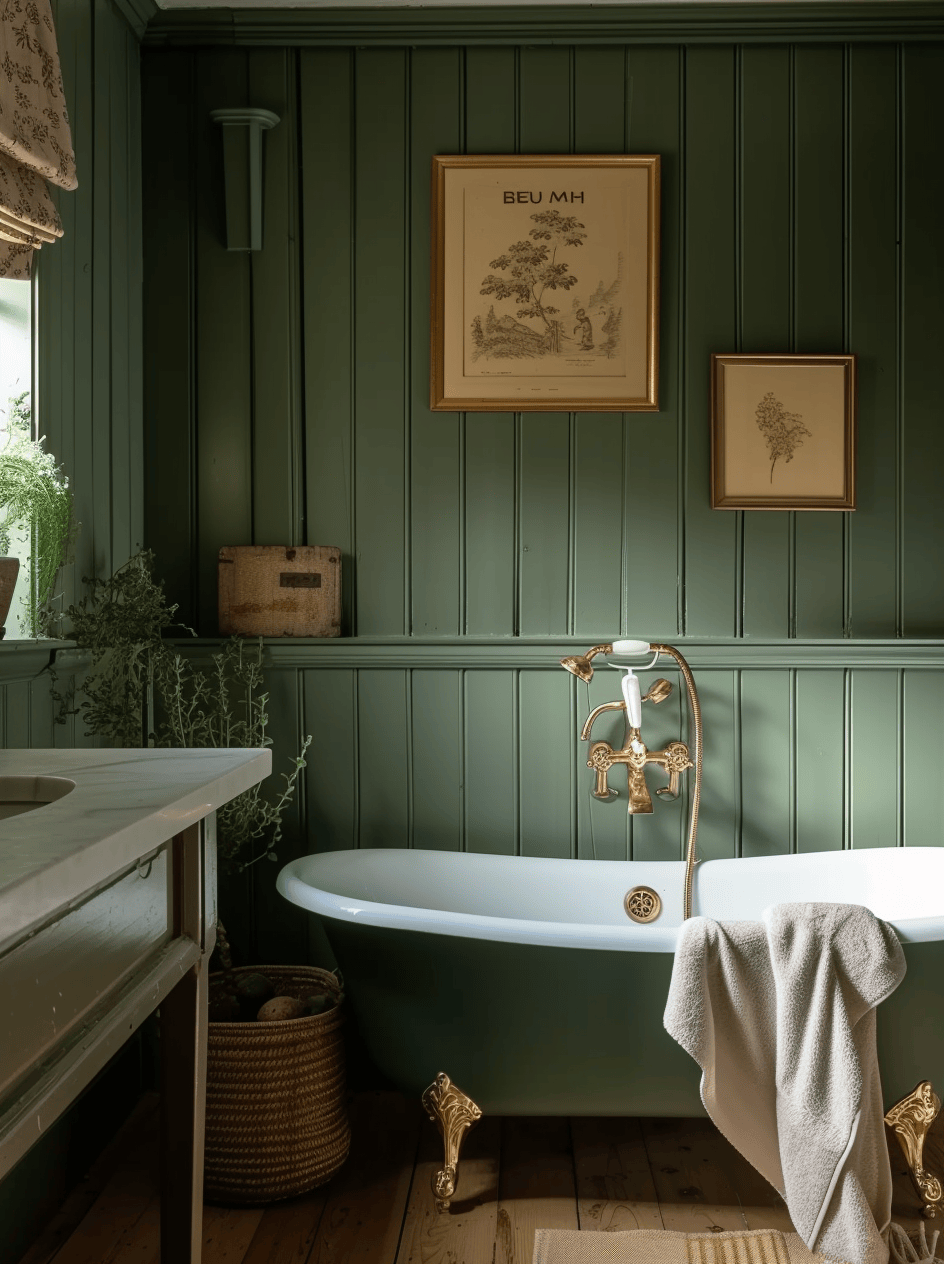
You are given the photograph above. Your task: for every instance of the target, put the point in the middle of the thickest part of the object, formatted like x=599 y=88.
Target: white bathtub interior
x=537 y=900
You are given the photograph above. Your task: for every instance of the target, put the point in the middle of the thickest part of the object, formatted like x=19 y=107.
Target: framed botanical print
x=783 y=431
x=545 y=283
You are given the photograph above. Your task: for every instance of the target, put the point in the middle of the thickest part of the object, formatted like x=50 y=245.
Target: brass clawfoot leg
x=910 y=1120
x=454 y=1114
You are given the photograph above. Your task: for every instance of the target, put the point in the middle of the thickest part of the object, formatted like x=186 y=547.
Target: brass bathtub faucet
x=674 y=759
x=635 y=756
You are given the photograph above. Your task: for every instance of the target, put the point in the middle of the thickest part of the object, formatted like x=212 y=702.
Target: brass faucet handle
x=658 y=691
x=675 y=759
x=601 y=761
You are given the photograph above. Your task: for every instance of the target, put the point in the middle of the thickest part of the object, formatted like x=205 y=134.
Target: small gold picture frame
x=545 y=283
x=783 y=431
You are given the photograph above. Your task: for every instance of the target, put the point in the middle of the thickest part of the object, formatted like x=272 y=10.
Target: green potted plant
x=141 y=691
x=276 y=1121
x=35 y=499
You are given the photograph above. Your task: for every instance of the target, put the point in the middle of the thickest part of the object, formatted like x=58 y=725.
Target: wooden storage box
x=267 y=590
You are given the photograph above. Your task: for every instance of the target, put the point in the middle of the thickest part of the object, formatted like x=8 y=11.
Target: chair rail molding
x=530 y=653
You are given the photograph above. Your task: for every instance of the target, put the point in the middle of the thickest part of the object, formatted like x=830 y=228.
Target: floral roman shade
x=35 y=142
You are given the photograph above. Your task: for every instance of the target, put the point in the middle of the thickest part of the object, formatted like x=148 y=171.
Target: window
x=16 y=363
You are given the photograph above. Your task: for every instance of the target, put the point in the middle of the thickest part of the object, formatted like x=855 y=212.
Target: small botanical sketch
x=784 y=432
x=534 y=274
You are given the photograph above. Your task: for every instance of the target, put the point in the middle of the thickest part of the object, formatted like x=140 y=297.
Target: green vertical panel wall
x=720 y=821
x=223 y=429
x=654 y=481
x=276 y=342
x=875 y=530
x=786 y=169
x=490 y=773
x=764 y=300
x=290 y=401
x=381 y=294
x=766 y=792
x=546 y=769
x=325 y=78
x=819 y=175
x=820 y=760
x=923 y=738
x=710 y=251
x=922 y=283
x=490 y=458
x=598 y=462
x=88 y=390
x=169 y=380
x=876 y=766
x=436 y=439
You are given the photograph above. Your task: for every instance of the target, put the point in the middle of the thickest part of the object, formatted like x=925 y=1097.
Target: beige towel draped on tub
x=780 y=1016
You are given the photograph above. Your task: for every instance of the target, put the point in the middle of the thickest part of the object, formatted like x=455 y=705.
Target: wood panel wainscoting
x=516 y=1175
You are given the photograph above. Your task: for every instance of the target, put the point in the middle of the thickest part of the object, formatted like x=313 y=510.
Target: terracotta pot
x=9 y=569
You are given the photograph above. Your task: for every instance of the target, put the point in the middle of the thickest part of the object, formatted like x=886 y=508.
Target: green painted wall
x=87 y=387
x=89 y=394
x=286 y=402
x=286 y=391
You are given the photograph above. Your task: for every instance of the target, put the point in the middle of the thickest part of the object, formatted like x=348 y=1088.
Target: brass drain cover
x=642 y=904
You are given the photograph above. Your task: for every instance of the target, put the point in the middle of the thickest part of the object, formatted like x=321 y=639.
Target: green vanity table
x=108 y=910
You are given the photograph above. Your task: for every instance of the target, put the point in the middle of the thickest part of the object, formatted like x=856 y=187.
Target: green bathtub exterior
x=532 y=1030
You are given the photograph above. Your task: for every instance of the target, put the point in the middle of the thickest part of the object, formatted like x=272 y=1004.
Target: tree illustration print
x=532 y=267
x=783 y=431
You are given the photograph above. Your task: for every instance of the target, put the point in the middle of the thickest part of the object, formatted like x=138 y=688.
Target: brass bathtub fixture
x=674 y=759
x=454 y=1114
x=579 y=664
x=910 y=1120
x=634 y=755
x=642 y=904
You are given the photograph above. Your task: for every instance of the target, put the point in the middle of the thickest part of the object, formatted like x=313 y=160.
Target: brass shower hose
x=696 y=793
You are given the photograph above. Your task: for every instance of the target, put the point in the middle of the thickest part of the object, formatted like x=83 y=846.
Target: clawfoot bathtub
x=525 y=980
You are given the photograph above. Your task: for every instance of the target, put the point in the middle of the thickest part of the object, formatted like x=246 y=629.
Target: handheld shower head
x=579 y=664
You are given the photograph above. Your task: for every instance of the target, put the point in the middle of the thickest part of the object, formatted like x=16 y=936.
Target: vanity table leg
x=183 y=1106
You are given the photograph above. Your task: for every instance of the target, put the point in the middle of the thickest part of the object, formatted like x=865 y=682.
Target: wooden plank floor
x=515 y=1175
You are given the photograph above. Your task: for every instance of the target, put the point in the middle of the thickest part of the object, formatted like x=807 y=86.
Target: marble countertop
x=125 y=804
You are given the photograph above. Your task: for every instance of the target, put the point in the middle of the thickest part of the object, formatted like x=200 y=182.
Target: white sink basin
x=24 y=794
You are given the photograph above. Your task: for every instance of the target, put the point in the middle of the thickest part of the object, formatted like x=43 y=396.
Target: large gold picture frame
x=545 y=283
x=783 y=431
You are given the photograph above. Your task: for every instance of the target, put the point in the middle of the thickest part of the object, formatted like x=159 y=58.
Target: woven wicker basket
x=276 y=1114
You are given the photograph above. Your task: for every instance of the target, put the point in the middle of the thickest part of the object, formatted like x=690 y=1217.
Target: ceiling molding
x=137 y=13
x=854 y=21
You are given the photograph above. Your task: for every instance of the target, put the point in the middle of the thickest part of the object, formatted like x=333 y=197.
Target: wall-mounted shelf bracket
x=242 y=173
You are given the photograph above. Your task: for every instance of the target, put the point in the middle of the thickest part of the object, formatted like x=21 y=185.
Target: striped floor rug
x=664 y=1246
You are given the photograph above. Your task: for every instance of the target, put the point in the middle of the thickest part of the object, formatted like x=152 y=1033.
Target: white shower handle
x=632 y=695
